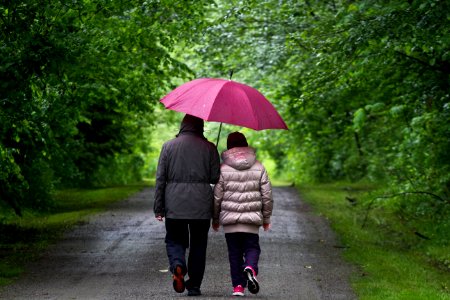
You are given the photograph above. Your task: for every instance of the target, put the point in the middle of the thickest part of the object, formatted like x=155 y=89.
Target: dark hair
x=236 y=139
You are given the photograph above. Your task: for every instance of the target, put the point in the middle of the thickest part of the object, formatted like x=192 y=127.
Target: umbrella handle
x=218 y=136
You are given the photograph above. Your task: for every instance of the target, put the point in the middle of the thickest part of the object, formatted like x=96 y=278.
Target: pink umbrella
x=225 y=101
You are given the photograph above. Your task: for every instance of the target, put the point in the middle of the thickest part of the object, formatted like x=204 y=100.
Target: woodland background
x=363 y=86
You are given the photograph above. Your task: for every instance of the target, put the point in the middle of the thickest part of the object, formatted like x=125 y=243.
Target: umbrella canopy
x=225 y=101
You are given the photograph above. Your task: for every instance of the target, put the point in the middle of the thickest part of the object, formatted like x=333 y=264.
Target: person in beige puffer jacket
x=242 y=204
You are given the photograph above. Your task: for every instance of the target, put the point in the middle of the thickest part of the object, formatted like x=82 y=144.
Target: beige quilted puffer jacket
x=243 y=195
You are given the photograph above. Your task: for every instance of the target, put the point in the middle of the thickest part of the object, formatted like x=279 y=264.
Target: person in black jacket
x=188 y=165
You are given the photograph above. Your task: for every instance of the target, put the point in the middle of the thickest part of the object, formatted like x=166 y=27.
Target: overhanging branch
x=369 y=207
x=443 y=66
x=415 y=192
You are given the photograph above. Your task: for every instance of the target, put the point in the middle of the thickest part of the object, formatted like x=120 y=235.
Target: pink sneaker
x=252 y=283
x=238 y=291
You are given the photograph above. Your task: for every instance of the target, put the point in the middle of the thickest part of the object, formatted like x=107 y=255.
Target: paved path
x=120 y=254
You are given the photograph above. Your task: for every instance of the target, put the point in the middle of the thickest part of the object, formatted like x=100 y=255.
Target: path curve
x=120 y=254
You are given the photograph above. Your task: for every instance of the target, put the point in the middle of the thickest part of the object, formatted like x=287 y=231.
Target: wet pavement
x=120 y=254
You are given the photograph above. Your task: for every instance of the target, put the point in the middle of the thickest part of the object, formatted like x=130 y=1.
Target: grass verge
x=392 y=262
x=23 y=239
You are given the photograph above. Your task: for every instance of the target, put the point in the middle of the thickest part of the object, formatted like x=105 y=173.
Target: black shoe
x=252 y=283
x=195 y=291
x=178 y=280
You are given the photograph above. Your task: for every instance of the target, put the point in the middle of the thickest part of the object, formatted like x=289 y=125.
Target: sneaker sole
x=252 y=283
x=178 y=280
x=238 y=294
x=194 y=293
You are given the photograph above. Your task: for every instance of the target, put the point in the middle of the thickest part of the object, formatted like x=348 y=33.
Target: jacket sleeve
x=215 y=166
x=266 y=193
x=218 y=196
x=160 y=184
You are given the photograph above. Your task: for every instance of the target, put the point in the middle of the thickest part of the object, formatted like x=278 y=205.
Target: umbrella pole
x=220 y=127
x=218 y=136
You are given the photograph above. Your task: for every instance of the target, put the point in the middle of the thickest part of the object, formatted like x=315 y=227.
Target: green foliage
x=393 y=260
x=363 y=86
x=78 y=83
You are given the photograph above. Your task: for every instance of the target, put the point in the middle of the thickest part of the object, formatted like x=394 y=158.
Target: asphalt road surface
x=120 y=254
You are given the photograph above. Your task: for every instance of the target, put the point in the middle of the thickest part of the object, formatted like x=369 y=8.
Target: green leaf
x=359 y=118
x=397 y=110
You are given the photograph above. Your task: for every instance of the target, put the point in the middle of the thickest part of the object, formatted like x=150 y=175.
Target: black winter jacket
x=187 y=165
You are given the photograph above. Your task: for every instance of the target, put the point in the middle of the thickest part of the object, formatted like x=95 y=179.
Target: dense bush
x=363 y=85
x=364 y=89
x=78 y=84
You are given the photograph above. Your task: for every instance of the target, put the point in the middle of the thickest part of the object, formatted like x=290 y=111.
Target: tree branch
x=358 y=144
x=369 y=207
x=415 y=192
x=443 y=66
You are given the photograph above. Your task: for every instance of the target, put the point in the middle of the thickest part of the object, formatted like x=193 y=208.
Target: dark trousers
x=192 y=234
x=243 y=250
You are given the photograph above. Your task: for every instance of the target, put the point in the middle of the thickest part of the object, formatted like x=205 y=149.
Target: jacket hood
x=239 y=158
x=191 y=124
